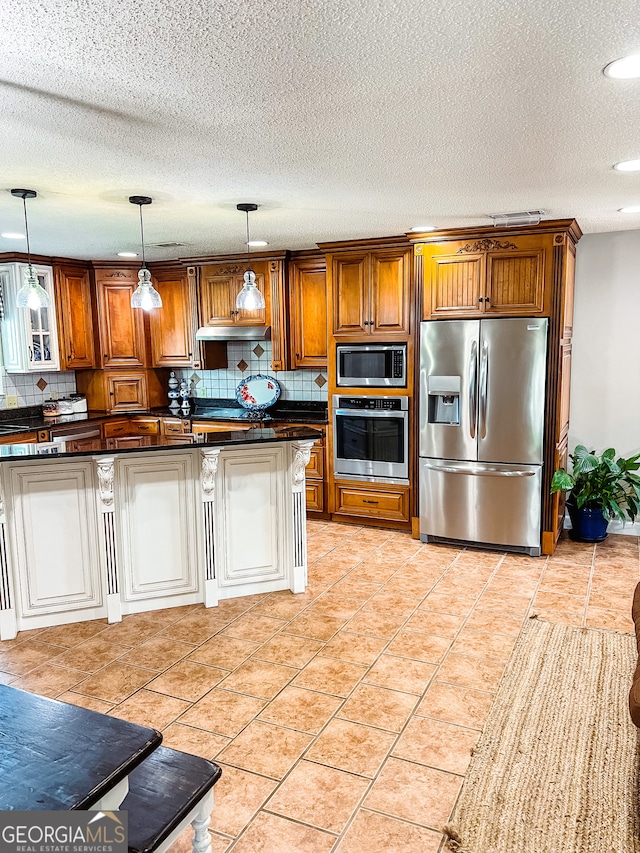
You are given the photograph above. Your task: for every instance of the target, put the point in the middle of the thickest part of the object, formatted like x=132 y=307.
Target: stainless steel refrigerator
x=482 y=394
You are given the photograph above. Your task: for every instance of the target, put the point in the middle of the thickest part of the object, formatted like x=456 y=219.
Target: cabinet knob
x=486 y=299
x=297 y=355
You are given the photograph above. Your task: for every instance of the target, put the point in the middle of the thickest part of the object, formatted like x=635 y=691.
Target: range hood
x=234 y=333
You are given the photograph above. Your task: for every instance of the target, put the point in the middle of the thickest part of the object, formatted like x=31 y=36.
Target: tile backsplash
x=32 y=389
x=247 y=358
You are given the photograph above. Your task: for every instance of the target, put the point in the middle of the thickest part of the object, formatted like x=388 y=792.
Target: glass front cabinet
x=29 y=337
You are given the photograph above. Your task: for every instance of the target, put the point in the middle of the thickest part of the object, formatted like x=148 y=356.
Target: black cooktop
x=235 y=414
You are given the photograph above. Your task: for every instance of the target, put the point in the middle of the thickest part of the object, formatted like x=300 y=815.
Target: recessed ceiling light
x=634 y=208
x=12 y=235
x=257 y=243
x=625 y=68
x=127 y=254
x=628 y=166
x=423 y=228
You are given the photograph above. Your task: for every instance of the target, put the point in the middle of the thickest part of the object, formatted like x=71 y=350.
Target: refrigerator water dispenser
x=444 y=400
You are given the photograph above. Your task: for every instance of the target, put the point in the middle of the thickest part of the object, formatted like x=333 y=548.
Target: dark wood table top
x=57 y=756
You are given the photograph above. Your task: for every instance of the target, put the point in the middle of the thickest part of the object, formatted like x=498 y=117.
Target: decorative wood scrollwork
x=116 y=275
x=487 y=244
x=231 y=269
x=209 y=469
x=105 y=480
x=300 y=461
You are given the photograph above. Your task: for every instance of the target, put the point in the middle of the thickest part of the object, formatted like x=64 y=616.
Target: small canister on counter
x=51 y=408
x=79 y=402
x=65 y=405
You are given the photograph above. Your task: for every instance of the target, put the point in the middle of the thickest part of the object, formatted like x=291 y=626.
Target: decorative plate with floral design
x=258 y=392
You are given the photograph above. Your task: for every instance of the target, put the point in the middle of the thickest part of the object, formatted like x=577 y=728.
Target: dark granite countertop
x=147 y=443
x=31 y=419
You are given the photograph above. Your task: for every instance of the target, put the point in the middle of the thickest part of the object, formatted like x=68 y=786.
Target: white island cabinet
x=95 y=535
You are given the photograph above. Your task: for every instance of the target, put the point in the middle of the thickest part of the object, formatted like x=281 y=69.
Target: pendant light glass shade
x=250 y=297
x=145 y=295
x=31 y=295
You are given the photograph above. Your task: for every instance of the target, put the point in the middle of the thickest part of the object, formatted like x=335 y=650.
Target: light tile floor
x=343 y=718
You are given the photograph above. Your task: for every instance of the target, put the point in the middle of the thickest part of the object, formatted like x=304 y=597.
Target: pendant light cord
x=26 y=227
x=248 y=246
x=144 y=265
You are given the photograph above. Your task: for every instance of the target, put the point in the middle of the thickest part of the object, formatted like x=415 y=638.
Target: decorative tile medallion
x=242 y=365
x=320 y=380
x=258 y=350
x=194 y=378
x=41 y=383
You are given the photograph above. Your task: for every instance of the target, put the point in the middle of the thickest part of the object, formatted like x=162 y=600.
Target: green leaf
x=562 y=481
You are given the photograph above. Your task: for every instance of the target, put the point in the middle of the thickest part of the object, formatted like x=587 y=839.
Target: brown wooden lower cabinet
x=390 y=503
x=20 y=438
x=112 y=429
x=218 y=426
x=175 y=426
x=83 y=444
x=145 y=426
x=125 y=442
x=315 y=495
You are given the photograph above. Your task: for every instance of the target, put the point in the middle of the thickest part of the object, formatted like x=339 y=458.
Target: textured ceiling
x=341 y=119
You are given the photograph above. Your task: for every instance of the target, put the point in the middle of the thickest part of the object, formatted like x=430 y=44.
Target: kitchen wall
x=605 y=378
x=32 y=389
x=247 y=358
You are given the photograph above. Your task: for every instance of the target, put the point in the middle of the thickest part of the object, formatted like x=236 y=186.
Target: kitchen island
x=101 y=533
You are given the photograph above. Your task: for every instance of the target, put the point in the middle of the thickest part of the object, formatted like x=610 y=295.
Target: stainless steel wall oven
x=371 y=437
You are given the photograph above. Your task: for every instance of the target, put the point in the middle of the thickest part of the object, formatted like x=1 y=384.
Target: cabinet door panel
x=172 y=326
x=215 y=293
x=391 y=503
x=75 y=321
x=455 y=285
x=515 y=282
x=350 y=296
x=121 y=326
x=390 y=276
x=314 y=493
x=127 y=392
x=309 y=308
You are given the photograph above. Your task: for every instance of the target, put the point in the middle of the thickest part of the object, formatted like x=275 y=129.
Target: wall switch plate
x=202 y=392
x=53 y=395
x=12 y=401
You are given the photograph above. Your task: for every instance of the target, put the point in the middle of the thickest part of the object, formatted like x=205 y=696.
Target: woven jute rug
x=556 y=768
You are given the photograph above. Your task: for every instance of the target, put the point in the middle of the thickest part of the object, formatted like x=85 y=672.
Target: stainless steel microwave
x=371 y=365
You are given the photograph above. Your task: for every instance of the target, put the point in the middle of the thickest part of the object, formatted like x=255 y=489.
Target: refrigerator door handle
x=473 y=385
x=480 y=472
x=484 y=376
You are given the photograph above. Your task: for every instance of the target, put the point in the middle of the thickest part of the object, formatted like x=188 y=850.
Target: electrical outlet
x=202 y=392
x=53 y=395
x=12 y=401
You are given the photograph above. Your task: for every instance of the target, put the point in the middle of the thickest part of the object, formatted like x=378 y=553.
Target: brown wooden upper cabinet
x=74 y=316
x=371 y=293
x=308 y=312
x=122 y=336
x=173 y=327
x=487 y=276
x=219 y=287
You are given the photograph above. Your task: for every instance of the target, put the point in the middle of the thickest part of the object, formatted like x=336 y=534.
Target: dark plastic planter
x=587 y=524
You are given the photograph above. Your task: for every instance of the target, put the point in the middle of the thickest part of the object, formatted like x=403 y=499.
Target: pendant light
x=249 y=298
x=145 y=295
x=31 y=295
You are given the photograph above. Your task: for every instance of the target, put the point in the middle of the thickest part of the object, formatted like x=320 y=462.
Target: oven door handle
x=371 y=413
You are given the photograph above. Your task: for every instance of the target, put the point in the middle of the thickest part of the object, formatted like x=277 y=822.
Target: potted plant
x=600 y=488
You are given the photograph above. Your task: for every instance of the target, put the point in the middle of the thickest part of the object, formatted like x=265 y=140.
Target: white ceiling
x=341 y=119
